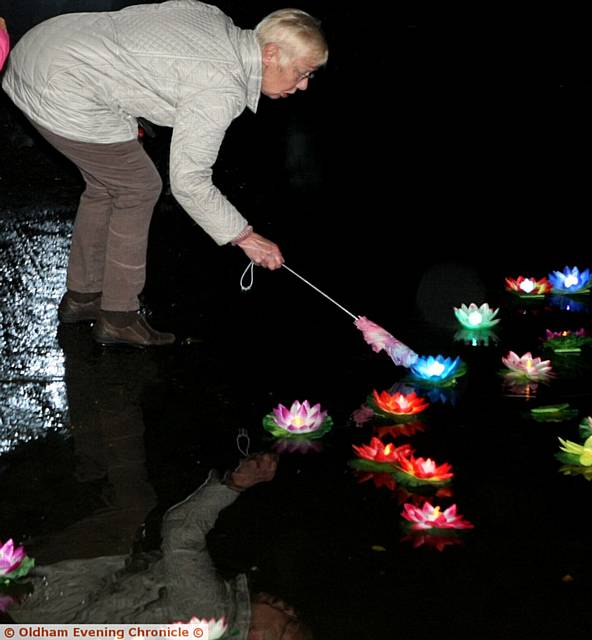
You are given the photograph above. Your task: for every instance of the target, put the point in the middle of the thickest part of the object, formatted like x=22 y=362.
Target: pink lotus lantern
x=526 y=367
x=430 y=517
x=299 y=421
x=11 y=559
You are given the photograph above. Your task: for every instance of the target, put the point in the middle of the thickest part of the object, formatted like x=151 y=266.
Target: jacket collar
x=251 y=60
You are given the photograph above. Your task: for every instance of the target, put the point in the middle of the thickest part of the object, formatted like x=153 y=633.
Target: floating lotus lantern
x=379 y=457
x=528 y=287
x=474 y=317
x=14 y=562
x=299 y=421
x=420 y=471
x=397 y=406
x=476 y=337
x=400 y=461
x=576 y=454
x=526 y=368
x=430 y=517
x=216 y=627
x=553 y=413
x=570 y=281
x=566 y=341
x=437 y=370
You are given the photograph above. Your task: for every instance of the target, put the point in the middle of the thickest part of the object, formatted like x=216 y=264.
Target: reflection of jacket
x=178 y=585
x=181 y=64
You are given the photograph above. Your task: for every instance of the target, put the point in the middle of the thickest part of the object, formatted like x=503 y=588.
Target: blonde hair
x=297 y=34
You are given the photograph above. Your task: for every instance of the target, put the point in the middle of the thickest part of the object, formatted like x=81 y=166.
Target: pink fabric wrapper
x=4 y=46
x=380 y=339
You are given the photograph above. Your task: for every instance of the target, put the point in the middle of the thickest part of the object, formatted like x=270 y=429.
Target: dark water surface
x=399 y=210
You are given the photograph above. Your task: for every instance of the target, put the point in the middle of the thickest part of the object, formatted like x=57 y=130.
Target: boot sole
x=74 y=319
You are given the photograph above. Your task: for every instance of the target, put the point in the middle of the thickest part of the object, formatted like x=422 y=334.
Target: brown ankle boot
x=71 y=311
x=137 y=334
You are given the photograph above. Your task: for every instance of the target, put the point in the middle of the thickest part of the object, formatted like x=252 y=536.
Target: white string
x=248 y=287
x=319 y=291
x=242 y=433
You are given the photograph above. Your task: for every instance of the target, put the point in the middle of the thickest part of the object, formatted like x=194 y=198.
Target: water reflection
x=32 y=392
x=566 y=303
x=476 y=337
x=104 y=393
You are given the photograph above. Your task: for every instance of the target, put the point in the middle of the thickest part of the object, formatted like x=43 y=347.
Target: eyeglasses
x=303 y=75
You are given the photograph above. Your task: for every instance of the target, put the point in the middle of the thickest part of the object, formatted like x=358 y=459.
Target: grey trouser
x=110 y=236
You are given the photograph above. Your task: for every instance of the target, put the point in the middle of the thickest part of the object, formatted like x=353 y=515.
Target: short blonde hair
x=297 y=34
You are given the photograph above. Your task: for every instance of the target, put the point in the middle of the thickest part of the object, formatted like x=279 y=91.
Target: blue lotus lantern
x=570 y=281
x=437 y=370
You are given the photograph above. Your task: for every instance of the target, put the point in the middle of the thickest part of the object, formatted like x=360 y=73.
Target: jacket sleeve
x=200 y=126
x=193 y=584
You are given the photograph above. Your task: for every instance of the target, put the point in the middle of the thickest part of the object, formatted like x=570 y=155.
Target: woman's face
x=273 y=619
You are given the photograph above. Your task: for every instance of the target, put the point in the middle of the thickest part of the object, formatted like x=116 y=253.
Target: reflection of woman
x=4 y=42
x=176 y=584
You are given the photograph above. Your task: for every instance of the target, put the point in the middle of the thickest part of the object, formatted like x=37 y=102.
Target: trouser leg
x=110 y=236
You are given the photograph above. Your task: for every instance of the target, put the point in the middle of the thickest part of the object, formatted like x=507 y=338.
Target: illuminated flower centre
x=527 y=285
x=570 y=281
x=435 y=369
x=475 y=318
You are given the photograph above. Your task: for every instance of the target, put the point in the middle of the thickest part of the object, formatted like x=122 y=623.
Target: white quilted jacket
x=182 y=64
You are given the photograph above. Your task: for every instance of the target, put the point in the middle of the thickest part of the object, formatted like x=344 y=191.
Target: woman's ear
x=270 y=53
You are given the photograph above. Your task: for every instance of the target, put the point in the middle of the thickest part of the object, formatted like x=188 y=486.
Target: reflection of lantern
x=476 y=337
x=474 y=317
